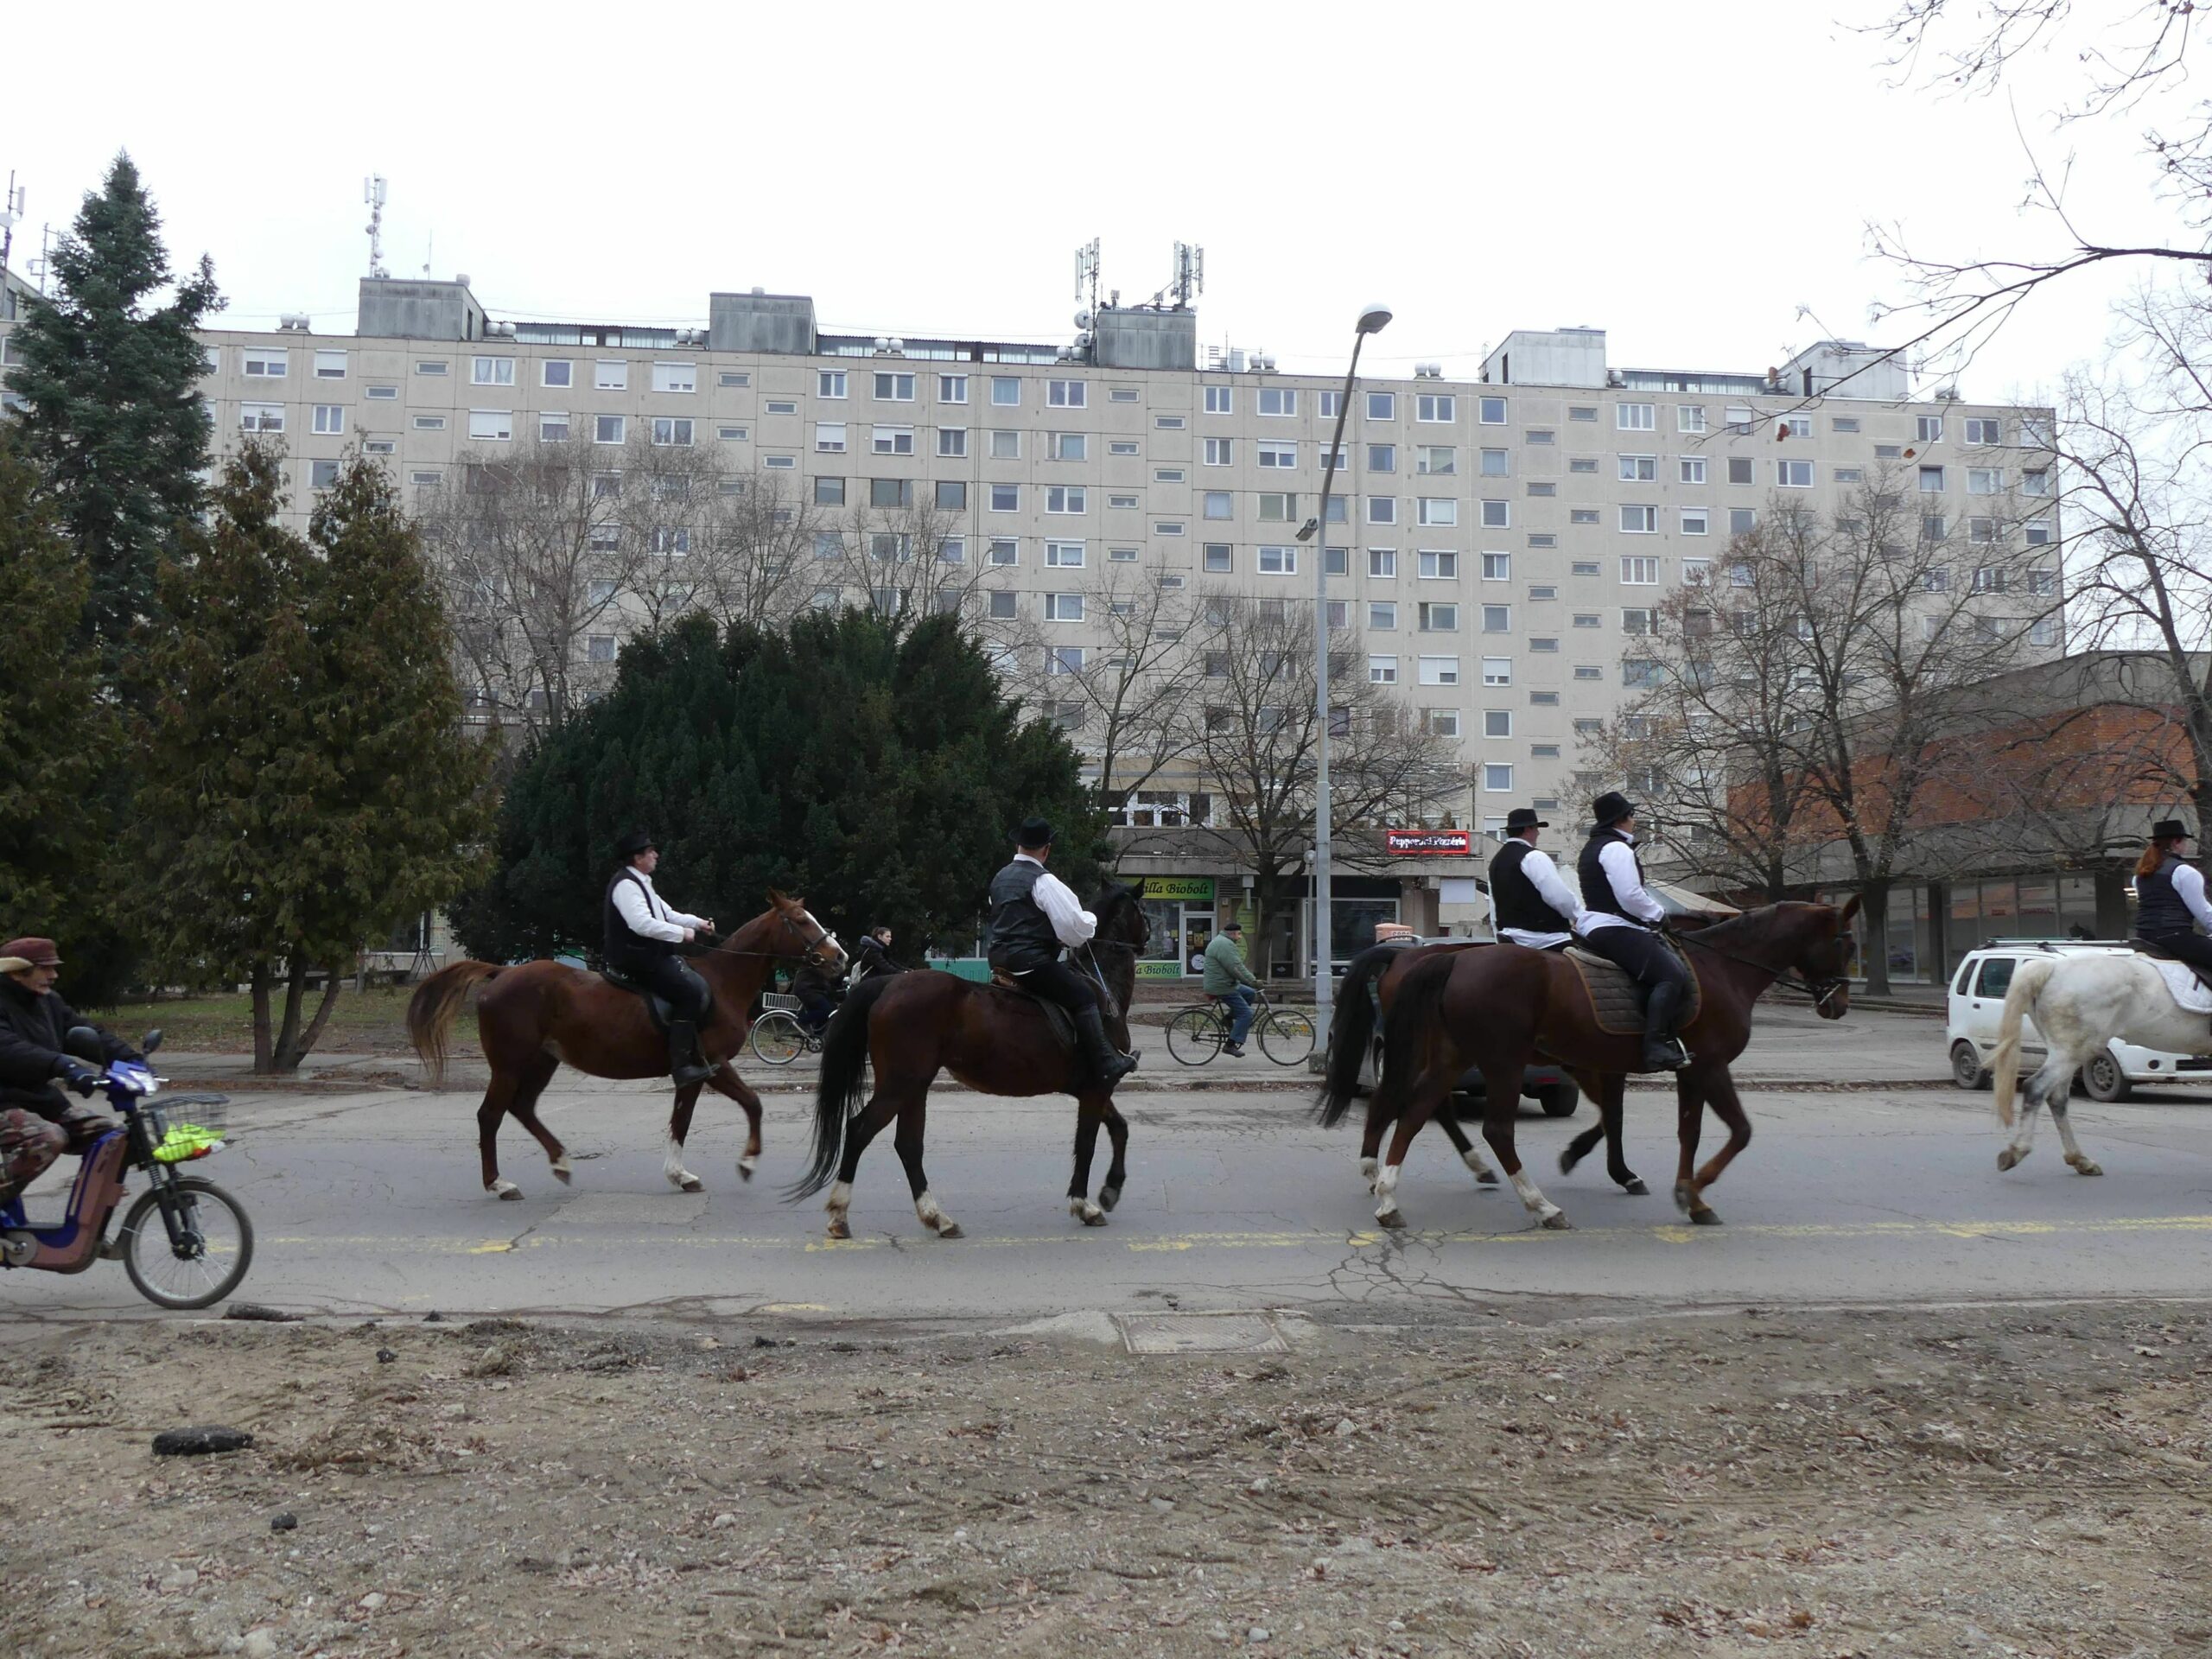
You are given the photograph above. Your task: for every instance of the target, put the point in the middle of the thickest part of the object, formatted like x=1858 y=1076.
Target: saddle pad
x=1055 y=1015
x=2189 y=991
x=1616 y=1001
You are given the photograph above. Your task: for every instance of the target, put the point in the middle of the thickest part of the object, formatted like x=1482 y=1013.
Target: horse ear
x=1850 y=909
x=775 y=896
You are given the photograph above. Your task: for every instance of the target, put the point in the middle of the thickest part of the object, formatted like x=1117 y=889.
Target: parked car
x=1976 y=1002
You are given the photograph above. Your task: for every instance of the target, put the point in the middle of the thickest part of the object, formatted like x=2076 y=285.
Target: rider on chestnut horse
x=642 y=934
x=1531 y=905
x=1032 y=915
x=1619 y=923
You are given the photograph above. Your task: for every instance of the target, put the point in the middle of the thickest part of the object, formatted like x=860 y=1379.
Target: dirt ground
x=2005 y=1481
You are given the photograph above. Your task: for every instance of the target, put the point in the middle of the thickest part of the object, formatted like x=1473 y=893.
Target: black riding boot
x=685 y=1064
x=1105 y=1064
x=1662 y=1051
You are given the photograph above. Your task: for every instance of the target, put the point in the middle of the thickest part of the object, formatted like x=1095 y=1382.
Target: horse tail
x=1351 y=1032
x=1414 y=1011
x=837 y=1094
x=431 y=1009
x=2028 y=981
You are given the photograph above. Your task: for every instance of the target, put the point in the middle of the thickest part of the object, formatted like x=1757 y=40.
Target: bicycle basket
x=204 y=1134
x=777 y=1002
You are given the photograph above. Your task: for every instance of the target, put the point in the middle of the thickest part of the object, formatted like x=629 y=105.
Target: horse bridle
x=822 y=936
x=1821 y=990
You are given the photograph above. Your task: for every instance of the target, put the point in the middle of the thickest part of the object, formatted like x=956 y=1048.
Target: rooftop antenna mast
x=11 y=209
x=372 y=194
x=1086 y=272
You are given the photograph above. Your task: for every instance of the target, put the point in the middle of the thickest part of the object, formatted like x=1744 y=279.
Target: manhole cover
x=669 y=1209
x=1200 y=1333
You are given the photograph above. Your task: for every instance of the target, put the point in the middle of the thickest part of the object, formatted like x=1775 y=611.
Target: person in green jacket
x=1228 y=978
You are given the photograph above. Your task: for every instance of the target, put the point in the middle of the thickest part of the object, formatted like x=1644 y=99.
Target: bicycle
x=204 y=1244
x=1196 y=1033
x=778 y=1035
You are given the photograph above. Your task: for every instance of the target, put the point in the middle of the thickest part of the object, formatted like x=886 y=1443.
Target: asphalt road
x=1886 y=1192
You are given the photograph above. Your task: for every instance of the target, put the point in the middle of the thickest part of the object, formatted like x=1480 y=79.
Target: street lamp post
x=1372 y=320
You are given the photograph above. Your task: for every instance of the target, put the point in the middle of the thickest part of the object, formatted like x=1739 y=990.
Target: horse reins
x=1820 y=990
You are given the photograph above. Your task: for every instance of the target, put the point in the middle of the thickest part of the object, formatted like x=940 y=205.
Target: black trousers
x=1649 y=959
x=2191 y=947
x=676 y=979
x=1057 y=982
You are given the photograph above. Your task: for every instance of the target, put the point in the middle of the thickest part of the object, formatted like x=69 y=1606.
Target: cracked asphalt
x=1881 y=1190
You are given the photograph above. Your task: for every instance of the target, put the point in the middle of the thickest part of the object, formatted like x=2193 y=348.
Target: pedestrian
x=1228 y=979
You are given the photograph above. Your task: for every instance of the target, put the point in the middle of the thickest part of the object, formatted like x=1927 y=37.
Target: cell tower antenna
x=1190 y=274
x=1086 y=272
x=11 y=209
x=372 y=194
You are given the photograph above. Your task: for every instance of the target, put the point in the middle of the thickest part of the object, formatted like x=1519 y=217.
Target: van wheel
x=1967 y=1069
x=2103 y=1080
x=1559 y=1099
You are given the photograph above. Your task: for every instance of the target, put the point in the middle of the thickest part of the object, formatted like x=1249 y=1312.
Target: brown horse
x=532 y=1017
x=1351 y=1031
x=1500 y=1007
x=996 y=1041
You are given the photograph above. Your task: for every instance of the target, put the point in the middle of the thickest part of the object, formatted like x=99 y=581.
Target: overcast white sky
x=1685 y=176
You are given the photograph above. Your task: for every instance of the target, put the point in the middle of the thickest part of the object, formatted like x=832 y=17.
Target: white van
x=1977 y=1002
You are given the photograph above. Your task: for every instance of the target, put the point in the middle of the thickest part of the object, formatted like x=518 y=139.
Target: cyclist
x=36 y=1124
x=1228 y=980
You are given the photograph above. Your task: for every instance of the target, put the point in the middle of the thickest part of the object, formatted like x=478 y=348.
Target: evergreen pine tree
x=57 y=739
x=110 y=375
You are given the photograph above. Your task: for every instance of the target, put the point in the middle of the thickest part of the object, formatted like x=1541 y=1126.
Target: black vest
x=627 y=952
x=2159 y=908
x=1021 y=934
x=1514 y=900
x=1597 y=886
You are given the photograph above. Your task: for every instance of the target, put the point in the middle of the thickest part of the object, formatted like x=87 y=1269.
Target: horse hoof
x=1704 y=1215
x=504 y=1190
x=1558 y=1223
x=1635 y=1190
x=2086 y=1166
x=1086 y=1212
x=747 y=1165
x=1488 y=1178
x=561 y=1171
x=692 y=1184
x=839 y=1227
x=2009 y=1157
x=1567 y=1160
x=952 y=1229
x=1109 y=1197
x=1393 y=1219
x=1686 y=1198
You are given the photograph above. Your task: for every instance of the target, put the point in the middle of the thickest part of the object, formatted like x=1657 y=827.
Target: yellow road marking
x=1665 y=1233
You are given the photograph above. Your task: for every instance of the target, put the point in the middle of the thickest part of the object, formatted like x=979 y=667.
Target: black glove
x=75 y=1075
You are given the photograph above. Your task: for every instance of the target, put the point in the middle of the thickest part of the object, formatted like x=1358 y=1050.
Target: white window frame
x=1437 y=512
x=1639 y=570
x=610 y=374
x=1793 y=475
x=898 y=377
x=1284 y=399
x=1636 y=417
x=891 y=440
x=1068 y=499
x=834 y=383
x=952 y=442
x=1690 y=417
x=1637 y=520
x=675 y=377
x=1437 y=564
x=1437 y=671
x=568 y=367
x=1066 y=394
x=329 y=421
x=600 y=428
x=324 y=369
x=1690 y=469
x=491 y=425
x=1276 y=561
x=952 y=388
x=829 y=438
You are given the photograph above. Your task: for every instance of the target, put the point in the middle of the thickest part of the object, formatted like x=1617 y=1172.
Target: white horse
x=2079 y=1004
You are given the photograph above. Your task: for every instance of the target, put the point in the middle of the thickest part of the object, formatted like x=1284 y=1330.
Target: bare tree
x=1256 y=742
x=900 y=554
x=732 y=545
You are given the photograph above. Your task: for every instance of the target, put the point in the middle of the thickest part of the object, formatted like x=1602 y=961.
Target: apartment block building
x=1495 y=545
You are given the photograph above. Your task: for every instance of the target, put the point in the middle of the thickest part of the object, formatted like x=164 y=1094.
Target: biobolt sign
x=1428 y=844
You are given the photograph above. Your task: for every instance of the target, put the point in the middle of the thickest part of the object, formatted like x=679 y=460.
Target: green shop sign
x=1190 y=889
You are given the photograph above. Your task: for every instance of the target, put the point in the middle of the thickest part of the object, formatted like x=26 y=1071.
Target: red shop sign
x=1429 y=843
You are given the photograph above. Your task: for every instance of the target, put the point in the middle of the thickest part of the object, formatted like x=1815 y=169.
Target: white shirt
x=645 y=912
x=2189 y=885
x=1544 y=876
x=1618 y=863
x=1071 y=921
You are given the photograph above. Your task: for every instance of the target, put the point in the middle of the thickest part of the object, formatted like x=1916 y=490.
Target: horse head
x=793 y=924
x=1824 y=958
x=1121 y=920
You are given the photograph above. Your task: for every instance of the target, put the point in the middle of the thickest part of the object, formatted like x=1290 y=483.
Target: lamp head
x=1374 y=319
x=1306 y=530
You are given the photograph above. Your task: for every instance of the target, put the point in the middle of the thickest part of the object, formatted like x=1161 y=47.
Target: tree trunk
x=259 y=977
x=1874 y=920
x=296 y=1048
x=287 y=1031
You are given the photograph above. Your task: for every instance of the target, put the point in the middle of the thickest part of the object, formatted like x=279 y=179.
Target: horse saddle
x=657 y=1006
x=1616 y=1000
x=1055 y=1015
x=2186 y=982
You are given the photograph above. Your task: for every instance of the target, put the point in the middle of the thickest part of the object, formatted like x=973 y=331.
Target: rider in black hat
x=2170 y=896
x=1618 y=921
x=642 y=934
x=1032 y=915
x=1529 y=903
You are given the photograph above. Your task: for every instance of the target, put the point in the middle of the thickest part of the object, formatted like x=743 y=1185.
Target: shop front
x=1181 y=911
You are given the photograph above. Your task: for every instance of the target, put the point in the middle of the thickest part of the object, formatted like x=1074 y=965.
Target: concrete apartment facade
x=1495 y=545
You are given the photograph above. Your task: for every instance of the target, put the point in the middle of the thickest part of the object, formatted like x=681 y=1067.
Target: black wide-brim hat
x=638 y=840
x=1033 y=832
x=1609 y=809
x=1524 y=817
x=2171 y=829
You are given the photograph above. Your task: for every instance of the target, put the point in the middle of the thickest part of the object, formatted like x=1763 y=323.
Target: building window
x=429 y=366
x=952 y=495
x=1794 y=475
x=830 y=383
x=891 y=440
x=1440 y=670
x=1634 y=417
x=1064 y=394
x=1382 y=406
x=1382 y=457
x=1692 y=469
x=1639 y=572
x=1497 y=619
x=1169 y=529
x=1278 y=562
x=1006 y=446
x=1582 y=515
x=383 y=394
x=422 y=422
x=891 y=491
x=1931 y=480
x=1220 y=503
x=1278 y=456
x=322 y=475
x=1217 y=559
x=1985 y=480
x=491 y=425
x=610 y=374
x=1639 y=621
x=893 y=387
x=1690 y=417
x=675 y=376
x=608 y=428
x=330 y=365
x=672 y=433
x=329 y=419
x=1930 y=429
x=1063 y=498
x=1006 y=497
x=2037 y=531
x=1220 y=452
x=1169 y=423
x=1382 y=509
x=1382 y=671
x=1498 y=671
x=1846 y=475
x=1220 y=400
x=1442 y=510
x=1381 y=615
x=1742 y=520
x=1063 y=607
x=779 y=407
x=1442 y=408
x=1440 y=618
x=1064 y=659
x=829 y=492
x=952 y=441
x=829 y=437
x=552 y=427
x=1006 y=390
x=1278 y=400
x=1639 y=469
x=1739 y=469
x=1695 y=521
x=1005 y=551
x=1443 y=567
x=1640 y=521
x=1064 y=555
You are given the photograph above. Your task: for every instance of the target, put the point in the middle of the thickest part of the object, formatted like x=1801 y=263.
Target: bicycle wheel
x=1286 y=1035
x=776 y=1037
x=214 y=1259
x=1195 y=1036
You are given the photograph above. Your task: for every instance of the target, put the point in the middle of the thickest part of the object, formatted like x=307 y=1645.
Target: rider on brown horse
x=1620 y=923
x=1032 y=915
x=642 y=934
x=1533 y=906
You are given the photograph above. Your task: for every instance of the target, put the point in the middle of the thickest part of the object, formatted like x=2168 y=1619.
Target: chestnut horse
x=1500 y=1007
x=996 y=1041
x=1351 y=1030
x=533 y=1016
